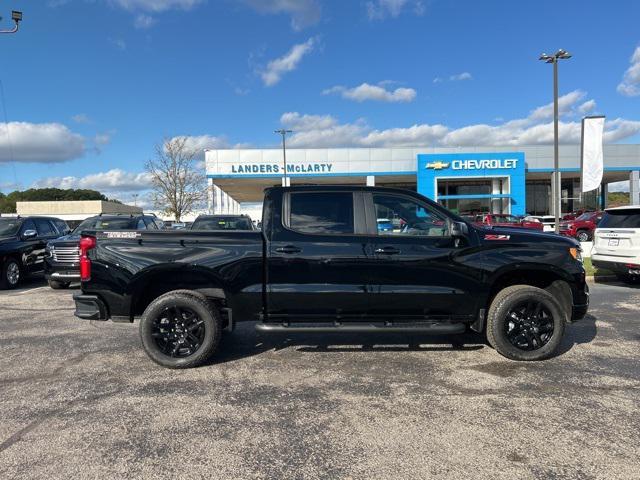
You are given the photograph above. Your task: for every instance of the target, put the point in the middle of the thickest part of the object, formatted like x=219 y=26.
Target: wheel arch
x=554 y=280
x=149 y=284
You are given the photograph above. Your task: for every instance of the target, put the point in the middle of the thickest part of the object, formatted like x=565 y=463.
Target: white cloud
x=39 y=143
x=143 y=21
x=630 y=84
x=115 y=180
x=381 y=9
x=460 y=76
x=566 y=105
x=200 y=143
x=276 y=68
x=619 y=186
x=81 y=118
x=156 y=6
x=378 y=93
x=587 y=107
x=119 y=43
x=304 y=13
x=535 y=129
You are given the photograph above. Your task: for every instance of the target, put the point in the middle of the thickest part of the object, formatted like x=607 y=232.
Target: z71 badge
x=497 y=237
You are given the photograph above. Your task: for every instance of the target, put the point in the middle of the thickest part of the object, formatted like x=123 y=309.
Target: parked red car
x=504 y=220
x=582 y=227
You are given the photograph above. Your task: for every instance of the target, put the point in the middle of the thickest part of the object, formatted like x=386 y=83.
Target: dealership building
x=496 y=180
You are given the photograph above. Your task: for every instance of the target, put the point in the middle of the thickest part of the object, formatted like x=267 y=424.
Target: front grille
x=65 y=254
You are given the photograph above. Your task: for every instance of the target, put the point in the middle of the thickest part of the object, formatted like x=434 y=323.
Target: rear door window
x=44 y=228
x=322 y=213
x=627 y=218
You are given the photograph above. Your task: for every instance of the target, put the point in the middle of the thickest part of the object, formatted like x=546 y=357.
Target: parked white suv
x=616 y=244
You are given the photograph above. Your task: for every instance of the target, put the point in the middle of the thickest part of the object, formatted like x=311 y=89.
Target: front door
x=319 y=257
x=417 y=274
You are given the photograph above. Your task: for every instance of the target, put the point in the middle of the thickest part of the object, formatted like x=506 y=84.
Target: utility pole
x=17 y=18
x=557 y=185
x=284 y=132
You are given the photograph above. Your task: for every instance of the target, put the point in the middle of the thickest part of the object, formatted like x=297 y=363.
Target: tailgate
x=617 y=242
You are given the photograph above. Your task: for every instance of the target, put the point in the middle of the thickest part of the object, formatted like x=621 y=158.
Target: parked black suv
x=22 y=245
x=62 y=256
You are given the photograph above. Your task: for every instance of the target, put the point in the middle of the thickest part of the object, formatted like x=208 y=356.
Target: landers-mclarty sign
x=268 y=168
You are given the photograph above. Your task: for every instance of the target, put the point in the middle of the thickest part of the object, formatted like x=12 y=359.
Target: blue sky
x=91 y=85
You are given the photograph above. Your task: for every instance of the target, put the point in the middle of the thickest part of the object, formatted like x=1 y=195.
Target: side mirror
x=458 y=229
x=27 y=234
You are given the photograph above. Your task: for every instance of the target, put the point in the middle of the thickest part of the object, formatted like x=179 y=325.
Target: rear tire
x=10 y=273
x=525 y=323
x=58 y=285
x=583 y=236
x=180 y=329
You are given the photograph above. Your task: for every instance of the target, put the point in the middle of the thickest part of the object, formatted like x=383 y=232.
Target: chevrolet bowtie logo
x=437 y=165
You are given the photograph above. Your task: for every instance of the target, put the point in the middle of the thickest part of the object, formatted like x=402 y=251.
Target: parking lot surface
x=81 y=400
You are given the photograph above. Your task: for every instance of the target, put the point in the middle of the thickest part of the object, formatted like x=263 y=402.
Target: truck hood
x=518 y=235
x=71 y=239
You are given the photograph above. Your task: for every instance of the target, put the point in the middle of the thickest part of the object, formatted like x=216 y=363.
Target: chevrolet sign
x=437 y=165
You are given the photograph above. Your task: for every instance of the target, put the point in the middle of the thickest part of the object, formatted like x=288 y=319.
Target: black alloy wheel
x=526 y=322
x=178 y=332
x=529 y=325
x=180 y=329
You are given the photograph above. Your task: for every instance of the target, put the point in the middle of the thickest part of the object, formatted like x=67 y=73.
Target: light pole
x=284 y=132
x=17 y=18
x=559 y=55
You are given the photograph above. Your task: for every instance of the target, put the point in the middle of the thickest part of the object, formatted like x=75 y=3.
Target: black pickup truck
x=321 y=264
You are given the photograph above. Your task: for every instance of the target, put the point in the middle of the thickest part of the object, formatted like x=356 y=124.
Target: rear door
x=319 y=257
x=618 y=234
x=416 y=275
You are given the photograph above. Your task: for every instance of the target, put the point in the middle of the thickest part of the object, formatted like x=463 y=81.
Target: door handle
x=288 y=249
x=387 y=250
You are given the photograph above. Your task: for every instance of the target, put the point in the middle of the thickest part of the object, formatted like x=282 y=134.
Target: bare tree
x=179 y=186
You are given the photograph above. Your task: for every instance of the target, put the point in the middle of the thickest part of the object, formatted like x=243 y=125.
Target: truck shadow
x=245 y=341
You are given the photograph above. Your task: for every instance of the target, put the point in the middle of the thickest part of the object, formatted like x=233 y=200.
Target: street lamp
x=17 y=18
x=559 y=55
x=284 y=132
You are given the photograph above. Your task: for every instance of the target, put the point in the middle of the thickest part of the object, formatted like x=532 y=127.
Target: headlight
x=576 y=253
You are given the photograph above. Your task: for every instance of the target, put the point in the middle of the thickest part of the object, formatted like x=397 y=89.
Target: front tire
x=10 y=273
x=583 y=236
x=58 y=285
x=525 y=323
x=180 y=329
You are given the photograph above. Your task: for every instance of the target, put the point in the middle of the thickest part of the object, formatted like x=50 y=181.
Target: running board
x=431 y=328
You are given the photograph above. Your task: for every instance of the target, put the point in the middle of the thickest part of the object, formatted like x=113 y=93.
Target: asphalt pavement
x=80 y=399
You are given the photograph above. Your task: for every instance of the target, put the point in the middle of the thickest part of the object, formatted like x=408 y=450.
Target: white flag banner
x=592 y=161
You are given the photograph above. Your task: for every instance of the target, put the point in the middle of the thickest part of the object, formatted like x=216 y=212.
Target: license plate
x=614 y=242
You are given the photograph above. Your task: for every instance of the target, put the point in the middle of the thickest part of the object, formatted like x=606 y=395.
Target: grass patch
x=593 y=271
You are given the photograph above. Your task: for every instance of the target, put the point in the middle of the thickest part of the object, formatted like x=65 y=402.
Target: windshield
x=585 y=216
x=99 y=223
x=506 y=219
x=222 y=223
x=9 y=226
x=627 y=218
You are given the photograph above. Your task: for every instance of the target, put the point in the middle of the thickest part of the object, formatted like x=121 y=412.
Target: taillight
x=86 y=244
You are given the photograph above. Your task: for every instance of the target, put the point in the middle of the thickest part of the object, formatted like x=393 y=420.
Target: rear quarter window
x=628 y=218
